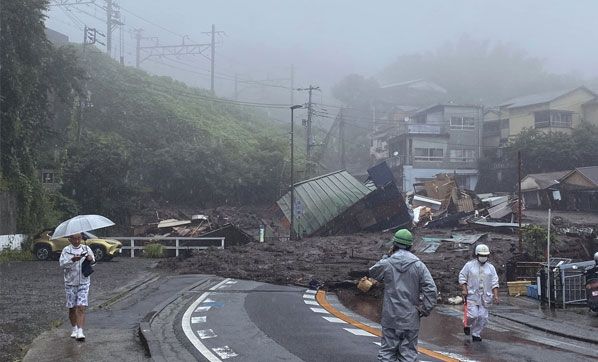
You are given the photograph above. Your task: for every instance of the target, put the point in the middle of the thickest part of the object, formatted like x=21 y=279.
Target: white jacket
x=72 y=269
x=480 y=279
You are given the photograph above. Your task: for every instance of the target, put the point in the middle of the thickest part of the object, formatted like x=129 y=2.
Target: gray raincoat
x=408 y=289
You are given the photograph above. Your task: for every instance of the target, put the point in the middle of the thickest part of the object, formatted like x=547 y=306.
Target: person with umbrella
x=72 y=258
x=76 y=283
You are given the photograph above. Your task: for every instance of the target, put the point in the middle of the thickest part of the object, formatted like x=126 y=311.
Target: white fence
x=170 y=243
x=12 y=242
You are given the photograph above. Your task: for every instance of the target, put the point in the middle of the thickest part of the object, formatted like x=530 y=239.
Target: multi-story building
x=444 y=138
x=559 y=111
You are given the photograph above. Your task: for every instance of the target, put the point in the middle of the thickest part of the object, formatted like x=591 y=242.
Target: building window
x=428 y=154
x=462 y=122
x=553 y=119
x=462 y=155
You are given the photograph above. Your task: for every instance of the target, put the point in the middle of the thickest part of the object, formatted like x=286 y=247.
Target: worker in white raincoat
x=479 y=286
x=409 y=294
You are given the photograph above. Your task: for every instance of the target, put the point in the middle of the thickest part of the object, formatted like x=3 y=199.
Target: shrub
x=15 y=255
x=154 y=250
x=535 y=241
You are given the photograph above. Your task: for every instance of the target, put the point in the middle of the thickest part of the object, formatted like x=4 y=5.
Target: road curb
x=128 y=290
x=150 y=342
x=547 y=330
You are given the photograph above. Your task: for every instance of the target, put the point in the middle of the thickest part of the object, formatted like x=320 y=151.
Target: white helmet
x=596 y=257
x=482 y=249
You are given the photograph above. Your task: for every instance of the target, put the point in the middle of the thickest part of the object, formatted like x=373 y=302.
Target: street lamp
x=292 y=230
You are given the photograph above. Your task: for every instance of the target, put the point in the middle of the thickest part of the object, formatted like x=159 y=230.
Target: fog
x=327 y=40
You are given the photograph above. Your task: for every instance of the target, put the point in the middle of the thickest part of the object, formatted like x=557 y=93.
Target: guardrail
x=180 y=243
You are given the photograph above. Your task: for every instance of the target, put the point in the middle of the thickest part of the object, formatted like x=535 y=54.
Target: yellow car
x=45 y=249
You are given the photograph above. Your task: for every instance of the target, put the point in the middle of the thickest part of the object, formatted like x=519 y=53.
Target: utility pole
x=292 y=221
x=138 y=47
x=520 y=201
x=341 y=136
x=109 y=27
x=309 y=143
x=213 y=57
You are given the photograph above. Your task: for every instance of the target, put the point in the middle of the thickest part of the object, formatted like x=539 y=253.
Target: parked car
x=45 y=249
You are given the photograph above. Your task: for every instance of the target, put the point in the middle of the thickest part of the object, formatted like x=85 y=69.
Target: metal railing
x=180 y=243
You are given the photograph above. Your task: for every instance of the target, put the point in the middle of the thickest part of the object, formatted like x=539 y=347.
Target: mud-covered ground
x=32 y=297
x=339 y=261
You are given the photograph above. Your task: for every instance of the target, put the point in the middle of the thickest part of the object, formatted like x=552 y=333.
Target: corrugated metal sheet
x=322 y=199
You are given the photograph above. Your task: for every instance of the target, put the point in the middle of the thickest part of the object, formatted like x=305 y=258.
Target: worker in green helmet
x=405 y=278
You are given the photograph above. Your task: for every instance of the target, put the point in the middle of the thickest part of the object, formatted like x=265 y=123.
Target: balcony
x=416 y=128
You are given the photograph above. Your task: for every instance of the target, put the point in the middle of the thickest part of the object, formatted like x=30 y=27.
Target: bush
x=15 y=255
x=535 y=241
x=153 y=250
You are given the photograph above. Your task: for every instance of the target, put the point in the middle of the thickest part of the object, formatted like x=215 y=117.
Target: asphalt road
x=207 y=318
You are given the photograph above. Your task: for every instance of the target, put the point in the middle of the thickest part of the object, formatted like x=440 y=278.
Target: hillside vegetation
x=143 y=137
x=117 y=137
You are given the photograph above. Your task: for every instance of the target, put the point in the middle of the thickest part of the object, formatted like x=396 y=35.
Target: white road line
x=186 y=324
x=231 y=281
x=203 y=308
x=310 y=302
x=311 y=291
x=309 y=296
x=379 y=344
x=198 y=319
x=225 y=352
x=319 y=310
x=359 y=332
x=206 y=333
x=334 y=319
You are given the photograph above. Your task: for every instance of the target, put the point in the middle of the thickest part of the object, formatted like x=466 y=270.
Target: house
x=541 y=190
x=556 y=111
x=385 y=129
x=338 y=203
x=580 y=189
x=440 y=139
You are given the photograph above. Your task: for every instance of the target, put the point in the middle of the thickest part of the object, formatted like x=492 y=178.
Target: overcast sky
x=328 y=39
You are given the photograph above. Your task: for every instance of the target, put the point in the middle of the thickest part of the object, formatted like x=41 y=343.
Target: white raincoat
x=480 y=279
x=72 y=269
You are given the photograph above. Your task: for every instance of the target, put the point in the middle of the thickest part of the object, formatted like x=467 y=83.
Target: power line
x=151 y=22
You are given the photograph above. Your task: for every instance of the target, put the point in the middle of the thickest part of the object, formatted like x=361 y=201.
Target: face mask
x=482 y=259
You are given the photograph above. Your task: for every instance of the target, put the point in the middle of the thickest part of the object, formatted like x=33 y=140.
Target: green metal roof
x=323 y=198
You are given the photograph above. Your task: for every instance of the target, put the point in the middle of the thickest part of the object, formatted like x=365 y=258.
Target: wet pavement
x=519 y=329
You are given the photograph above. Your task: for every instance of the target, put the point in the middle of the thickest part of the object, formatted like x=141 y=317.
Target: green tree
x=32 y=74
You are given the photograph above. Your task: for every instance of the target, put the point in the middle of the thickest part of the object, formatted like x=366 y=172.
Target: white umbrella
x=79 y=224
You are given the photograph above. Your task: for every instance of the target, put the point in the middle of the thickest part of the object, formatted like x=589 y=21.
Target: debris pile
x=442 y=203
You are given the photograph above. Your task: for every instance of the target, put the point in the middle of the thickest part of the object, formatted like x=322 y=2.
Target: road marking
x=206 y=333
x=378 y=344
x=359 y=332
x=319 y=310
x=198 y=319
x=225 y=352
x=334 y=320
x=186 y=324
x=203 y=308
x=231 y=281
x=309 y=296
x=311 y=291
x=321 y=298
x=310 y=302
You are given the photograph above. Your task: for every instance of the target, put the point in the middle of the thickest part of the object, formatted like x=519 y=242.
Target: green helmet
x=403 y=237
